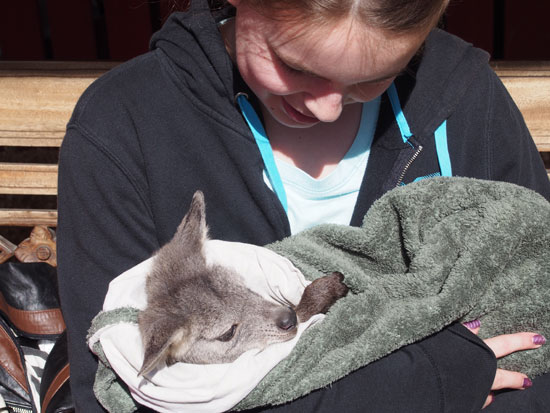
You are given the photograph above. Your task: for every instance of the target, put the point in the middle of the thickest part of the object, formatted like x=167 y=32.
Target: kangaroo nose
x=286 y=319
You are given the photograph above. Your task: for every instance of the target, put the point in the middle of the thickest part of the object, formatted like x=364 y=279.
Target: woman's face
x=305 y=75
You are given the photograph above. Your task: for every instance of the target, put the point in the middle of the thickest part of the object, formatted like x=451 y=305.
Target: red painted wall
x=120 y=29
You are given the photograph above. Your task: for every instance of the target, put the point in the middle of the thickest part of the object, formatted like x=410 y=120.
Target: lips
x=297 y=116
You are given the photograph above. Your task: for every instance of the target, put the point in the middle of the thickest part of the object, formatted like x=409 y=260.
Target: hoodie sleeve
x=513 y=154
x=488 y=137
x=104 y=228
x=495 y=142
x=433 y=375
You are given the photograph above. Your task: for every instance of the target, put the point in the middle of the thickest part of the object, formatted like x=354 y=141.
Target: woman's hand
x=502 y=346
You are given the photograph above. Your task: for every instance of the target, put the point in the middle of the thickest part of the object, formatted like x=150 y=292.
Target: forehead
x=347 y=51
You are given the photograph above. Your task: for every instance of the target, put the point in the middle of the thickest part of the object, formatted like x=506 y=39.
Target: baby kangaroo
x=204 y=313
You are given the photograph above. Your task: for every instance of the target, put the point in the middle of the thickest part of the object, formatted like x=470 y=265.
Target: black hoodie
x=149 y=133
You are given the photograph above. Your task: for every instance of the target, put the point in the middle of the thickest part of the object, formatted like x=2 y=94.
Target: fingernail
x=527 y=383
x=473 y=324
x=489 y=400
x=538 y=339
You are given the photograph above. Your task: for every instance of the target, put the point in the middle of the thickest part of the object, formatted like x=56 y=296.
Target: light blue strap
x=264 y=146
x=398 y=112
x=440 y=133
x=442 y=150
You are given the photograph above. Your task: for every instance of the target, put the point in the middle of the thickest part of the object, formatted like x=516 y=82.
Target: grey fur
x=199 y=313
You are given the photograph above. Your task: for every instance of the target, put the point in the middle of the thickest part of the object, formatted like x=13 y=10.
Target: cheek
x=207 y=352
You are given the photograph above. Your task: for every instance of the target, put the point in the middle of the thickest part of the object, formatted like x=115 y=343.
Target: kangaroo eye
x=228 y=335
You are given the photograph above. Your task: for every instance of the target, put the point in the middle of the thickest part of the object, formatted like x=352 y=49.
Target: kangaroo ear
x=192 y=231
x=158 y=341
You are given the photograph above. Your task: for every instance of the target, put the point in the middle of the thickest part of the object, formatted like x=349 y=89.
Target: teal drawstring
x=264 y=146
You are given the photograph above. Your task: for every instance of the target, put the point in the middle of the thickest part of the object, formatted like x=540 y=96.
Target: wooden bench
x=36 y=101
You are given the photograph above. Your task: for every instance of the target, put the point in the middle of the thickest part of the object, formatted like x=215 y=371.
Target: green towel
x=428 y=254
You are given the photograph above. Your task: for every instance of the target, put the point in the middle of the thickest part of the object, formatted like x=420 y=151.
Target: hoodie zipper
x=408 y=164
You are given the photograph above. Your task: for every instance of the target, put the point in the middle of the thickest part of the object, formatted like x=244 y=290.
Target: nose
x=286 y=319
x=326 y=105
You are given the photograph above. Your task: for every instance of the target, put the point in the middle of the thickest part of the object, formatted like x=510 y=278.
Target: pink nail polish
x=527 y=383
x=538 y=339
x=473 y=324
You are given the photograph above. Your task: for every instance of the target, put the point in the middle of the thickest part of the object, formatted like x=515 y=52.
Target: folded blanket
x=428 y=254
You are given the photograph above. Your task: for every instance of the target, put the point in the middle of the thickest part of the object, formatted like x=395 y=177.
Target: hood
x=190 y=44
x=438 y=79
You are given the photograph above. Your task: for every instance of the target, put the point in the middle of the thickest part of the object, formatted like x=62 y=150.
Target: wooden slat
x=33 y=104
x=529 y=85
x=36 y=104
x=36 y=101
x=28 y=217
x=54 y=68
x=31 y=138
x=506 y=68
x=28 y=179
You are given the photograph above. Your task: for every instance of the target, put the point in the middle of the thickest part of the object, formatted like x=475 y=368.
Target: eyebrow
x=297 y=66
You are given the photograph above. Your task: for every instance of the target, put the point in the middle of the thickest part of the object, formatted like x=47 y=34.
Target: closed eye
x=229 y=334
x=289 y=69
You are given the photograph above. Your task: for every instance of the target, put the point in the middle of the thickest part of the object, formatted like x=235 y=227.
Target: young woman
x=287 y=114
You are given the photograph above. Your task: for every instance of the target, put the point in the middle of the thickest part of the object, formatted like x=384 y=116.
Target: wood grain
x=529 y=85
x=28 y=179
x=28 y=217
x=34 y=111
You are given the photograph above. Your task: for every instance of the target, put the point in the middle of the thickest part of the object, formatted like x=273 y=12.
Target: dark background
x=120 y=29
